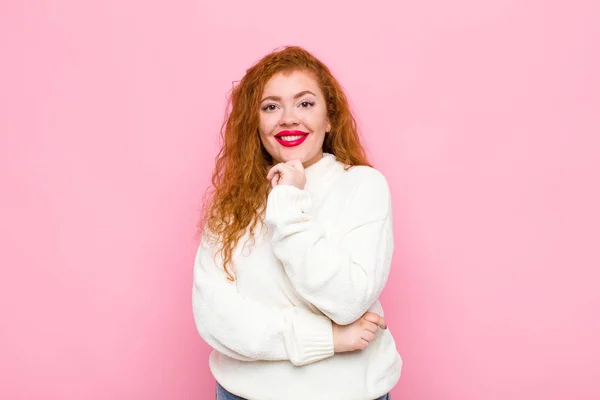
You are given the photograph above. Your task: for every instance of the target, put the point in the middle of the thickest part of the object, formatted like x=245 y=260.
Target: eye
x=307 y=104
x=269 y=107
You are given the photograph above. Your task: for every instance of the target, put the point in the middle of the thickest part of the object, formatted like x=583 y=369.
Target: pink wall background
x=484 y=116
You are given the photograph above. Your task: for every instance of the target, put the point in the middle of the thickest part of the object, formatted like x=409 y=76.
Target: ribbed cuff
x=312 y=338
x=285 y=198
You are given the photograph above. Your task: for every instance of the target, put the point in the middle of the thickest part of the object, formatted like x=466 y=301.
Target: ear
x=328 y=129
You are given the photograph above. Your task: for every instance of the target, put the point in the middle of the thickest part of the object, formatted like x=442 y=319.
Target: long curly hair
x=235 y=201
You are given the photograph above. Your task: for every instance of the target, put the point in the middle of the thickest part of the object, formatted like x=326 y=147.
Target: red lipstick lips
x=291 y=138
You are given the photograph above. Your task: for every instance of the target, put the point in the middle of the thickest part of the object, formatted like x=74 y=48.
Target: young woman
x=296 y=244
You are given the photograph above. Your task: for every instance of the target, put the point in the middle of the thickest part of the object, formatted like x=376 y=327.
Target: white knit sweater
x=323 y=255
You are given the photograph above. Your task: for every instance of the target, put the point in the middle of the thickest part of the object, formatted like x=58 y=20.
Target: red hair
x=239 y=188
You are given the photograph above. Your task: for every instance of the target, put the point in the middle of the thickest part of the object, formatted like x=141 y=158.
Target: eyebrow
x=278 y=98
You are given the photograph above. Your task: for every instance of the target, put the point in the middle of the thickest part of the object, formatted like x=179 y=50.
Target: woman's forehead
x=290 y=83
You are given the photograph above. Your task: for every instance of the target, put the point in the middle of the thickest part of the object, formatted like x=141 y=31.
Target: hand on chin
x=288 y=173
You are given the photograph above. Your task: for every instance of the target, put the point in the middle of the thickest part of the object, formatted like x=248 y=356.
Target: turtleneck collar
x=317 y=172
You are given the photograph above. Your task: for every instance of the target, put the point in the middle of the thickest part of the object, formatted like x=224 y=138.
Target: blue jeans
x=223 y=394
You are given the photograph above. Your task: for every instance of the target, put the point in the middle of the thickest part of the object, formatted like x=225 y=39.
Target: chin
x=305 y=155
x=294 y=154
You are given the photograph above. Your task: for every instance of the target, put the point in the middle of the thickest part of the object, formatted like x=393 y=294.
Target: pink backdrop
x=484 y=116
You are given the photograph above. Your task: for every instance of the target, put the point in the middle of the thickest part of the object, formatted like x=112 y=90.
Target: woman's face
x=293 y=118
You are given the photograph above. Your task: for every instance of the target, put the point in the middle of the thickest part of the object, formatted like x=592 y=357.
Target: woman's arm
x=341 y=278
x=246 y=330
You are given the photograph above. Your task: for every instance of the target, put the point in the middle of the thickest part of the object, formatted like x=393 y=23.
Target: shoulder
x=366 y=189
x=367 y=193
x=367 y=178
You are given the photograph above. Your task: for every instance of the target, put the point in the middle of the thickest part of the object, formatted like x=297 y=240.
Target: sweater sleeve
x=247 y=330
x=341 y=277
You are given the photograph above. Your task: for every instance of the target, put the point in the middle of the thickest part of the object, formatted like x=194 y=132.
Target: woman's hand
x=289 y=173
x=358 y=334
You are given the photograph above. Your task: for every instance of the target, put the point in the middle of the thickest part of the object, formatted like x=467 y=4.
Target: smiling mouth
x=291 y=138
x=291 y=134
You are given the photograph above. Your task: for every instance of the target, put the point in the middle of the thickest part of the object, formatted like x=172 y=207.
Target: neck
x=316 y=172
x=313 y=160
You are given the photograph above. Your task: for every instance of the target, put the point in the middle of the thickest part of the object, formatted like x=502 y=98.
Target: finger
x=376 y=319
x=359 y=344
x=274 y=170
x=371 y=327
x=275 y=181
x=363 y=344
x=280 y=168
x=368 y=336
x=296 y=164
x=371 y=317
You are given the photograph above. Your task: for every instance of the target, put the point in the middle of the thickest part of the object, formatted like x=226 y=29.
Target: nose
x=288 y=118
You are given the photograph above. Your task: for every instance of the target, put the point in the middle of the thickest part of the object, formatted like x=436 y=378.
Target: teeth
x=291 y=138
